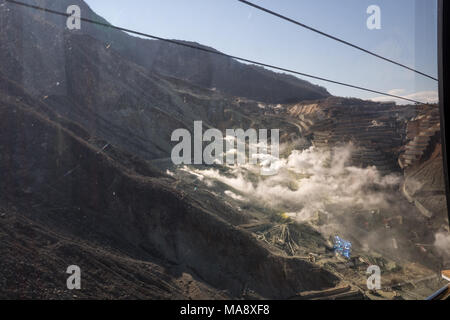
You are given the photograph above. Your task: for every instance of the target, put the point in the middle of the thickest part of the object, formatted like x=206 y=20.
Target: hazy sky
x=408 y=35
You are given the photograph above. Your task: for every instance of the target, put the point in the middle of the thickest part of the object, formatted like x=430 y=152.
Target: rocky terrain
x=349 y=162
x=85 y=175
x=109 y=200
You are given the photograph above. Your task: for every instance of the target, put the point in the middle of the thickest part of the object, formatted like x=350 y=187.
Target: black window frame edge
x=443 y=67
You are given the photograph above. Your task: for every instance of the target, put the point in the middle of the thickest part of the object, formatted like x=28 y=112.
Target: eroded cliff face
x=105 y=199
x=85 y=172
x=376 y=130
x=422 y=163
x=403 y=139
x=339 y=173
x=129 y=91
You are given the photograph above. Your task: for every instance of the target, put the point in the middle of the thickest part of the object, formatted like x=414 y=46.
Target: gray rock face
x=422 y=161
x=200 y=68
x=82 y=111
x=129 y=91
x=65 y=97
x=118 y=204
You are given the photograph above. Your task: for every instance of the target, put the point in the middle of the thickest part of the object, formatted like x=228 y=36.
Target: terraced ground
x=85 y=139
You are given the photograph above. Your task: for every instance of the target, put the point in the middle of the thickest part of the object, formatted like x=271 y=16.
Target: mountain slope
x=84 y=117
x=200 y=68
x=59 y=180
